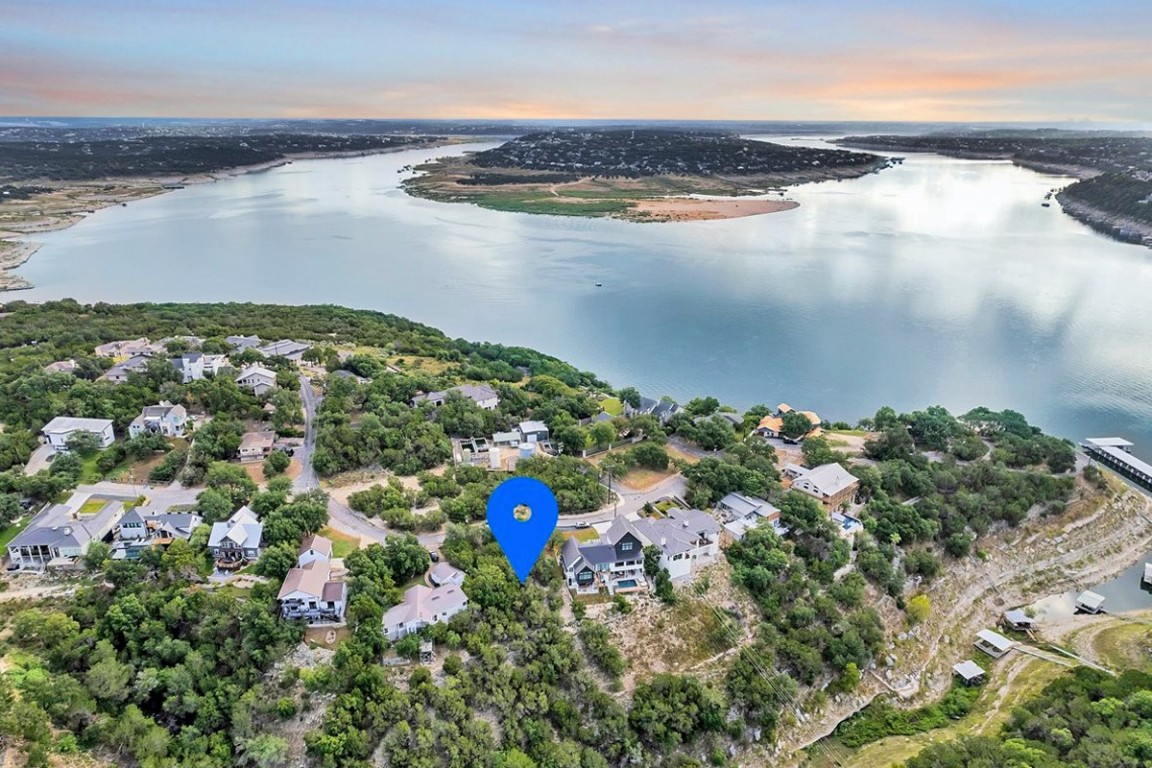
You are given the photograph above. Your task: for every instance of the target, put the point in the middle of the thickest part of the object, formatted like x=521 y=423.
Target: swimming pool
x=626 y=584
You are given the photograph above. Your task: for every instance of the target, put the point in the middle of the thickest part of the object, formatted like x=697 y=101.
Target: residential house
x=533 y=431
x=663 y=409
x=57 y=431
x=421 y=607
x=60 y=535
x=138 y=531
x=343 y=374
x=61 y=366
x=255 y=446
x=309 y=592
x=772 y=425
x=687 y=539
x=257 y=378
x=481 y=394
x=213 y=364
x=129 y=348
x=443 y=573
x=830 y=484
x=314 y=547
x=741 y=513
x=190 y=366
x=242 y=342
x=237 y=541
x=290 y=350
x=119 y=373
x=163 y=419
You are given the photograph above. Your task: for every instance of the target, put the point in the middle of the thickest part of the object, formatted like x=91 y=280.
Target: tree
x=276 y=463
x=652 y=555
x=572 y=440
x=702 y=406
x=231 y=480
x=276 y=561
x=918 y=608
x=794 y=425
x=97 y=555
x=817 y=452
x=214 y=505
x=84 y=444
x=651 y=456
x=630 y=395
x=602 y=434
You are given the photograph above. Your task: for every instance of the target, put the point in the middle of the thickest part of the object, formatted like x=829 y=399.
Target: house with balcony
x=256 y=446
x=309 y=590
x=257 y=378
x=60 y=535
x=237 y=541
x=688 y=539
x=163 y=419
x=421 y=607
x=830 y=484
x=138 y=531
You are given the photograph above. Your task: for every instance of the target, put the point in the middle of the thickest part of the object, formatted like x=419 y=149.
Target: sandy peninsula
x=694 y=209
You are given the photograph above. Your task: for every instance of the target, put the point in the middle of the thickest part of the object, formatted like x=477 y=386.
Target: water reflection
x=937 y=281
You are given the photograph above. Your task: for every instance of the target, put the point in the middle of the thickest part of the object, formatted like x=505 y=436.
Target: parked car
x=583 y=524
x=435 y=556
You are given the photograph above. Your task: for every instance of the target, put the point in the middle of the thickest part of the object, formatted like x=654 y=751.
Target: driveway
x=307 y=480
x=39 y=459
x=629 y=502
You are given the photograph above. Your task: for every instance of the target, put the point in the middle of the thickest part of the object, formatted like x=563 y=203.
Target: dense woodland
x=649 y=152
x=74 y=157
x=150 y=663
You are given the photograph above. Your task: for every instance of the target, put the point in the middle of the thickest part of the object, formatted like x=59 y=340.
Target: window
x=626 y=546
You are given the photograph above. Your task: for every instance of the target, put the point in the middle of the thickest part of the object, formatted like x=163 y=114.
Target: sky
x=979 y=60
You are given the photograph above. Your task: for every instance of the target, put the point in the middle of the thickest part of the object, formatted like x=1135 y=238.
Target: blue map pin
x=522 y=539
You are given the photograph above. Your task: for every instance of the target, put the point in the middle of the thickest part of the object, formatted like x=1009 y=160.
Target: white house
x=237 y=541
x=314 y=547
x=741 y=513
x=309 y=592
x=213 y=364
x=255 y=446
x=421 y=607
x=443 y=573
x=57 y=431
x=190 y=366
x=163 y=419
x=481 y=394
x=257 y=378
x=830 y=484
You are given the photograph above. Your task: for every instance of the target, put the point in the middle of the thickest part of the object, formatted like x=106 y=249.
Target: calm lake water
x=940 y=281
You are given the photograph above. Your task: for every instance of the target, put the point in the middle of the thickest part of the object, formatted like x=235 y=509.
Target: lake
x=939 y=281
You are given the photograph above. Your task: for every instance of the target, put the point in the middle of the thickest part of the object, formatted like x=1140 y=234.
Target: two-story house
x=138 y=531
x=830 y=484
x=163 y=419
x=741 y=513
x=190 y=366
x=60 y=535
x=687 y=539
x=119 y=373
x=57 y=431
x=257 y=378
x=255 y=446
x=309 y=592
x=237 y=541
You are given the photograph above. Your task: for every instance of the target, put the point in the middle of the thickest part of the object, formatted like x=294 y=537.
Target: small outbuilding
x=969 y=672
x=1090 y=602
x=993 y=643
x=1018 y=620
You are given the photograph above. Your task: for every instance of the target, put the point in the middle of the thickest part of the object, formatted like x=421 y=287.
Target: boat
x=599 y=285
x=1045 y=205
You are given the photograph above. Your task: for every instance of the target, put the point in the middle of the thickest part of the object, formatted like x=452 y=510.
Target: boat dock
x=1147 y=580
x=1090 y=602
x=1116 y=453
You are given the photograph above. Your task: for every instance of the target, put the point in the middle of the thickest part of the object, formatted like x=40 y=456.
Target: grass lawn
x=612 y=405
x=342 y=544
x=582 y=535
x=11 y=531
x=92 y=506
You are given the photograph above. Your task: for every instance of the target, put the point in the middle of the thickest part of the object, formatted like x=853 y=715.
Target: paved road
x=307 y=479
x=159 y=497
x=340 y=516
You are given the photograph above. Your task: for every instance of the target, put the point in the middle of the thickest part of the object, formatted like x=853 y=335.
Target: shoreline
x=16 y=248
x=1099 y=220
